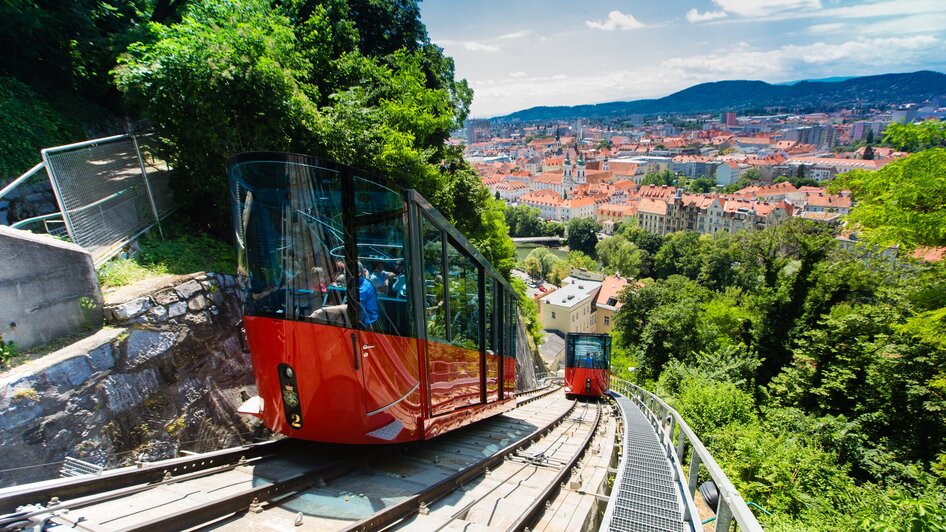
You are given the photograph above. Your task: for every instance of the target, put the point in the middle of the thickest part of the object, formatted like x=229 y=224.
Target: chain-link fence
x=109 y=191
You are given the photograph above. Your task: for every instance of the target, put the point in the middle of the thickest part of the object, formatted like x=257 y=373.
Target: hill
x=740 y=95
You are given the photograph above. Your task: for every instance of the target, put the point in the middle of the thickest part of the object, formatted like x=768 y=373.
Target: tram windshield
x=589 y=351
x=303 y=229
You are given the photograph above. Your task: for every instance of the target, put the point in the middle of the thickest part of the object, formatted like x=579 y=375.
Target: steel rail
x=247 y=499
x=86 y=485
x=534 y=511
x=60 y=508
x=540 y=393
x=527 y=464
x=731 y=504
x=412 y=504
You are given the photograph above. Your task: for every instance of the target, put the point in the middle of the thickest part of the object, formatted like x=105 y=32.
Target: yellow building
x=607 y=304
x=571 y=307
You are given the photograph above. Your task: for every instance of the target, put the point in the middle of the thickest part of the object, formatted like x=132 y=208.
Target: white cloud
x=766 y=8
x=513 y=35
x=833 y=27
x=794 y=61
x=616 y=21
x=695 y=16
x=474 y=46
x=517 y=74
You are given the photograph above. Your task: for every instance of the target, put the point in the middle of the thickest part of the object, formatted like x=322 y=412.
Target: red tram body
x=390 y=355
x=587 y=364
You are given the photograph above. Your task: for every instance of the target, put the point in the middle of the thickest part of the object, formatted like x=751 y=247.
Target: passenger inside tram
x=367 y=300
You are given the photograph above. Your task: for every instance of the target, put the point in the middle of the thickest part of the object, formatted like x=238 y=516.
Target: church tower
x=580 y=177
x=567 y=168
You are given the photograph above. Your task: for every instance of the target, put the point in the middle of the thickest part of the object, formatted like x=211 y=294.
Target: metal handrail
x=664 y=419
x=16 y=182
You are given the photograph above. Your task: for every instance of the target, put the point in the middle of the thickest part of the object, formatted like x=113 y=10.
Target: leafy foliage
x=28 y=123
x=583 y=235
x=525 y=221
x=357 y=81
x=915 y=137
x=903 y=202
x=816 y=375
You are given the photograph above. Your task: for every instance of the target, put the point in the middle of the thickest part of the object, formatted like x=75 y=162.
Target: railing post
x=144 y=176
x=723 y=515
x=681 y=441
x=694 y=471
x=673 y=424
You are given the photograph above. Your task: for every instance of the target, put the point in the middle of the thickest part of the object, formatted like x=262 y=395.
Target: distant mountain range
x=742 y=95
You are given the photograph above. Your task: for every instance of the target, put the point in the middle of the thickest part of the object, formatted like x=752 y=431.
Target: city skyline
x=523 y=53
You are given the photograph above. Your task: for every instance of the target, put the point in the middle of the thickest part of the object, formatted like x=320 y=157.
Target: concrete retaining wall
x=48 y=288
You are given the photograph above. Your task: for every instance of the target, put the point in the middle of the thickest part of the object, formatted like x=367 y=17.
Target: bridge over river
x=539 y=240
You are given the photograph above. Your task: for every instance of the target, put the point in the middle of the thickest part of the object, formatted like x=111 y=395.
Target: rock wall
x=166 y=376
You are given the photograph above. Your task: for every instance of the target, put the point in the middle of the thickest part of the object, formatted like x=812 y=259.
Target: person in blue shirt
x=368 y=303
x=368 y=298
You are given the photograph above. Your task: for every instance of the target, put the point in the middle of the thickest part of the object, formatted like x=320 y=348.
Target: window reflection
x=464 y=299
x=293 y=237
x=588 y=351
x=435 y=308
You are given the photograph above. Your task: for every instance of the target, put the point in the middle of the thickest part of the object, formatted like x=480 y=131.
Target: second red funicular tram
x=370 y=318
x=587 y=364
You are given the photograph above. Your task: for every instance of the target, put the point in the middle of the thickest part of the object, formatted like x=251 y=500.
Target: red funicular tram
x=587 y=364
x=370 y=318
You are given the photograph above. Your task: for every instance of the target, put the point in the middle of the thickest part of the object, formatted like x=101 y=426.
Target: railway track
x=290 y=483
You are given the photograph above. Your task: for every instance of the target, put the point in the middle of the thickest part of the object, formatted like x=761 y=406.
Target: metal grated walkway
x=644 y=497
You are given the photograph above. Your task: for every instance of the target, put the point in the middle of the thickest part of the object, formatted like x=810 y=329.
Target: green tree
x=702 y=184
x=545 y=258
x=620 y=255
x=665 y=177
x=647 y=241
x=680 y=254
x=583 y=235
x=916 y=137
x=903 y=202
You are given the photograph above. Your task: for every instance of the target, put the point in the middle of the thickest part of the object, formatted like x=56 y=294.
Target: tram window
x=291 y=216
x=434 y=304
x=489 y=290
x=379 y=217
x=591 y=352
x=514 y=321
x=508 y=326
x=463 y=276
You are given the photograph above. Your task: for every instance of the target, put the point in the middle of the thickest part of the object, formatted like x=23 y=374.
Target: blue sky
x=521 y=53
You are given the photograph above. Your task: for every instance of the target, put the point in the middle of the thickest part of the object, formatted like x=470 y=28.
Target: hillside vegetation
x=814 y=373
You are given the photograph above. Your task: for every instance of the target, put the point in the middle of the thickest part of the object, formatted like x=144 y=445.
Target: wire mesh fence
x=109 y=191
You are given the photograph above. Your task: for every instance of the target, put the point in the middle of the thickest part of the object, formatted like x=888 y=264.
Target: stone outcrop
x=166 y=375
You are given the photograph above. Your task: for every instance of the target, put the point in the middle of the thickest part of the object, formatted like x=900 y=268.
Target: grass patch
x=178 y=253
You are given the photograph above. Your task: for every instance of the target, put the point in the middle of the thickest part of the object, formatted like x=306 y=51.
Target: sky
x=518 y=54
